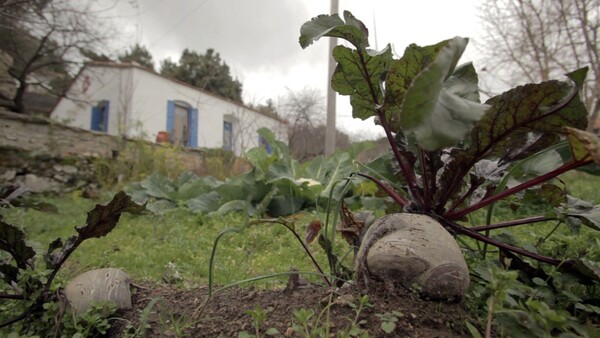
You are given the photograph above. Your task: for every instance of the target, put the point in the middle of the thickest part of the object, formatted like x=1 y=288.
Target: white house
x=130 y=100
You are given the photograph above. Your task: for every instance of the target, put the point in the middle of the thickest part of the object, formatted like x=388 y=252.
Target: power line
x=150 y=6
x=181 y=21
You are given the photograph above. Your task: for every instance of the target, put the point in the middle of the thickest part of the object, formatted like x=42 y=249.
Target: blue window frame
x=227 y=135
x=100 y=116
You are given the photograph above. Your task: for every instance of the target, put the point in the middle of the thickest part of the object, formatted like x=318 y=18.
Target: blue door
x=227 y=135
x=182 y=132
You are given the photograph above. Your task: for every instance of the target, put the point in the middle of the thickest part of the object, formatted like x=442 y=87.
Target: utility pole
x=330 y=130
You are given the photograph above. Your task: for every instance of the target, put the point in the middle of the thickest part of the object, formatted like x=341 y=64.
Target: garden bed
x=226 y=313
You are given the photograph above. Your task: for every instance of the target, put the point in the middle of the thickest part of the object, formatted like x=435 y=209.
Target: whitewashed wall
x=138 y=107
x=76 y=109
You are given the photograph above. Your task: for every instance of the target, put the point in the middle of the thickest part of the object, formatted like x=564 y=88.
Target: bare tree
x=537 y=40
x=305 y=112
x=44 y=38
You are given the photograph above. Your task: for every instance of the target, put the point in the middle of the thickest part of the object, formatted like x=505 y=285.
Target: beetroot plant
x=452 y=155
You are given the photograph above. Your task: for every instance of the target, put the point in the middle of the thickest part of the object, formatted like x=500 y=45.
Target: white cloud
x=259 y=39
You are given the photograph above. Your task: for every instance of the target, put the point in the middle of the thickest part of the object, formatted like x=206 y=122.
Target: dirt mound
x=225 y=315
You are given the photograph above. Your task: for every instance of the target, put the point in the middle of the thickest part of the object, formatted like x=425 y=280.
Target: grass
x=143 y=245
x=178 y=245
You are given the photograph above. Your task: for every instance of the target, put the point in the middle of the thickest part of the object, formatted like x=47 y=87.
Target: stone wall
x=44 y=155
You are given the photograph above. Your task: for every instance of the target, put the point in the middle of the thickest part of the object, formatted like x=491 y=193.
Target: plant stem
x=432 y=177
x=7 y=296
x=490 y=315
x=507 y=224
x=466 y=195
x=548 y=235
x=533 y=182
x=312 y=258
x=211 y=261
x=397 y=198
x=58 y=265
x=457 y=228
x=425 y=179
x=409 y=175
x=16 y=319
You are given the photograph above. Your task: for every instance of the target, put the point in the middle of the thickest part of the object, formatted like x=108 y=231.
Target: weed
x=258 y=318
x=135 y=161
x=172 y=324
x=388 y=320
x=363 y=302
x=306 y=324
x=144 y=322
x=515 y=308
x=93 y=322
x=303 y=325
x=29 y=291
x=220 y=164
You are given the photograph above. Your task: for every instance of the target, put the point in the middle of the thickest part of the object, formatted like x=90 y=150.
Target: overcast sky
x=258 y=39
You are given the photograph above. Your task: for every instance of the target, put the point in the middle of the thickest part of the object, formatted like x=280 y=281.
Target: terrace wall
x=45 y=155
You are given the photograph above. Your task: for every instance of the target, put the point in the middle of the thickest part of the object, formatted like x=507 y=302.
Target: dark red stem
x=459 y=229
x=8 y=296
x=425 y=179
x=411 y=179
x=507 y=224
x=312 y=258
x=526 y=185
x=466 y=195
x=393 y=194
x=409 y=175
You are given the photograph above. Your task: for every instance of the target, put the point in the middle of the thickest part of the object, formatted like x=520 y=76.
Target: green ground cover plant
x=277 y=185
x=31 y=302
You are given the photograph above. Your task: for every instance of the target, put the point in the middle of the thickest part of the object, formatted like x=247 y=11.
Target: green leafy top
x=438 y=107
x=353 y=30
x=421 y=94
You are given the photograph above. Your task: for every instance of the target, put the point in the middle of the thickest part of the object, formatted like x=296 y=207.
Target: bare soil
x=225 y=314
